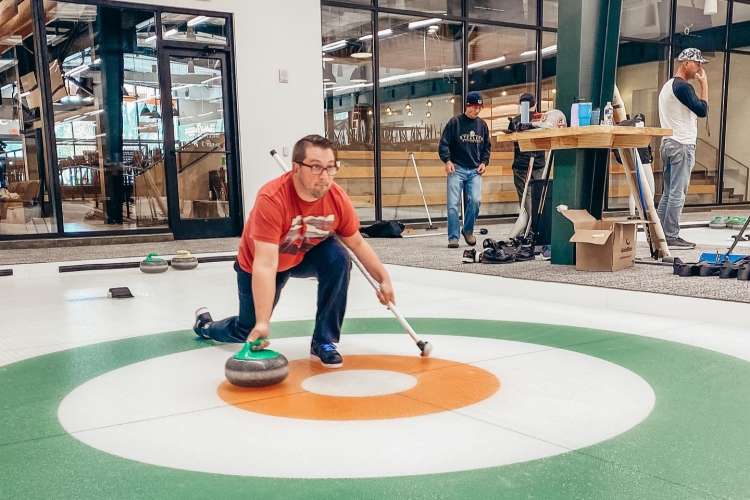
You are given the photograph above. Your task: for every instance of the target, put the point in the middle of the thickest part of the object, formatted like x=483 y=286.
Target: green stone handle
x=150 y=257
x=250 y=351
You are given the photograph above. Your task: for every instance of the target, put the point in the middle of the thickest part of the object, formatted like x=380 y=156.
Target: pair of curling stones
x=183 y=261
x=253 y=367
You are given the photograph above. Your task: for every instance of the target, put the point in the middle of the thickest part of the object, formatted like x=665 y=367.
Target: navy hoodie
x=465 y=142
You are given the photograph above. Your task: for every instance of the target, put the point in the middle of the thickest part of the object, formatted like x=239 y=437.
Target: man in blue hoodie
x=465 y=150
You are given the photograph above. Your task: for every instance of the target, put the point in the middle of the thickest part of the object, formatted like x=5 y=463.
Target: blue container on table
x=584 y=114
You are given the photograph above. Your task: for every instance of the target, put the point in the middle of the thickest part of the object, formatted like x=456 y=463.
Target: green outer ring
x=693 y=445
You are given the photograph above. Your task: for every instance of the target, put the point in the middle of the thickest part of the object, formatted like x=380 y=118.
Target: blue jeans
x=678 y=161
x=329 y=262
x=469 y=181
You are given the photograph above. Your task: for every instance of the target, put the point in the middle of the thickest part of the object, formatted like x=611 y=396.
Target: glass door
x=200 y=165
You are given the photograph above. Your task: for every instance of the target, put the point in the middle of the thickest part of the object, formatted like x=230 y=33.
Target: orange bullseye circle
x=441 y=385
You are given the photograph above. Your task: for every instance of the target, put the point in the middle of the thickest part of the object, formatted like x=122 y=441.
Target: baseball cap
x=474 y=99
x=692 y=54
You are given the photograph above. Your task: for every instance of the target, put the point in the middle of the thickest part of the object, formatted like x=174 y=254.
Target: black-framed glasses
x=317 y=169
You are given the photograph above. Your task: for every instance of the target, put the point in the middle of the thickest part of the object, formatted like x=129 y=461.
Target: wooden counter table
x=624 y=139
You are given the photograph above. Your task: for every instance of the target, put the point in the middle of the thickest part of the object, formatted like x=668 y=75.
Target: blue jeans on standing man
x=678 y=160
x=329 y=262
x=469 y=181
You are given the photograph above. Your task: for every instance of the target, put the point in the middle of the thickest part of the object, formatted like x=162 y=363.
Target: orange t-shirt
x=280 y=216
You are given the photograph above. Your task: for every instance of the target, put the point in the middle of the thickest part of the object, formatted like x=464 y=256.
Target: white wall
x=269 y=36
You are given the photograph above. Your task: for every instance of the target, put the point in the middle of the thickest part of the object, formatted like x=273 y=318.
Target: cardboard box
x=602 y=245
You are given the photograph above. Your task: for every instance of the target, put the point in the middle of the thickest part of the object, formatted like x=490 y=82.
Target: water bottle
x=525 y=112
x=609 y=114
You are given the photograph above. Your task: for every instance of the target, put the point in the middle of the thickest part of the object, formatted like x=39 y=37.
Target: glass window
x=642 y=69
x=549 y=13
x=202 y=30
x=699 y=28
x=25 y=204
x=502 y=66
x=739 y=36
x=514 y=11
x=736 y=186
x=549 y=70
x=420 y=90
x=436 y=7
x=646 y=19
x=348 y=104
x=107 y=111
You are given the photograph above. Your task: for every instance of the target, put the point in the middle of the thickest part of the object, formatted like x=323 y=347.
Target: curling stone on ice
x=184 y=260
x=153 y=264
x=256 y=368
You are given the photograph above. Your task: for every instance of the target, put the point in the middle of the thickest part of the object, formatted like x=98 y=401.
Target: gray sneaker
x=679 y=244
x=469 y=238
x=452 y=243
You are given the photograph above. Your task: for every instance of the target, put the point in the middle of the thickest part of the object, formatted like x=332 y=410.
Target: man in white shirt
x=679 y=109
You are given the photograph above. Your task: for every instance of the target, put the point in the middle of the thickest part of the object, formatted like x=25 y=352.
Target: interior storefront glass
x=697 y=25
x=511 y=11
x=194 y=29
x=642 y=70
x=348 y=104
x=645 y=19
x=107 y=111
x=549 y=13
x=739 y=35
x=502 y=66
x=435 y=7
x=197 y=87
x=420 y=90
x=25 y=203
x=736 y=187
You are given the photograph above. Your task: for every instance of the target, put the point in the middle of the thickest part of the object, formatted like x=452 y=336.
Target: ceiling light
x=334 y=46
x=428 y=114
x=479 y=64
x=408 y=106
x=388 y=110
x=409 y=113
x=197 y=20
x=427 y=22
x=453 y=100
x=402 y=76
x=504 y=93
x=429 y=103
x=381 y=34
x=171 y=32
x=150 y=39
x=450 y=70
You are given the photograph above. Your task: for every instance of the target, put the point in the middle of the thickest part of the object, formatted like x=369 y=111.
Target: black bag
x=383 y=229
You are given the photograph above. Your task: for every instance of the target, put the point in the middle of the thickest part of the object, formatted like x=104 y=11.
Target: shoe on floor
x=327 y=354
x=469 y=238
x=202 y=320
x=679 y=244
x=452 y=243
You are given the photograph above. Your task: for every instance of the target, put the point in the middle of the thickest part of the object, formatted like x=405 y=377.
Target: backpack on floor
x=383 y=229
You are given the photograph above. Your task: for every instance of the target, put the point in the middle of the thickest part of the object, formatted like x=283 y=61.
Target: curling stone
x=251 y=368
x=184 y=260
x=152 y=264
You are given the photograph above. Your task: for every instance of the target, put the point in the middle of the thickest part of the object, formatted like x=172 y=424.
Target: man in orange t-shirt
x=289 y=233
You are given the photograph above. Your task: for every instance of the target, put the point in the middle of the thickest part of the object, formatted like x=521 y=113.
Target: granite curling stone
x=184 y=260
x=256 y=368
x=153 y=264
